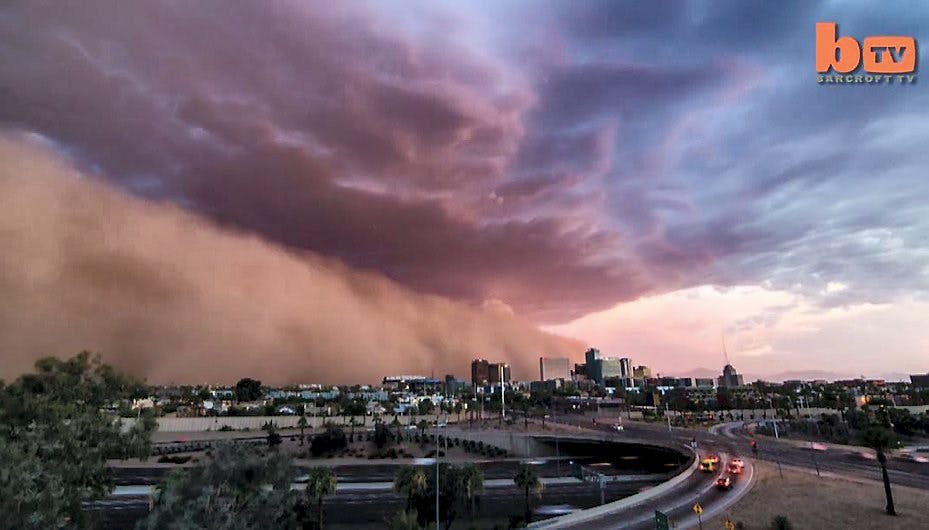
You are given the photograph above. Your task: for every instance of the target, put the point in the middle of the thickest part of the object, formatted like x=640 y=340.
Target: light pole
x=437 y=527
x=667 y=414
x=776 y=437
x=502 y=401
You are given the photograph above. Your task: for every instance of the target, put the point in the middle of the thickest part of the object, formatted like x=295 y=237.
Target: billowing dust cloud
x=169 y=296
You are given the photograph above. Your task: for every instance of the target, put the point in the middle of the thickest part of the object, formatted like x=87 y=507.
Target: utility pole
x=557 y=452
x=776 y=437
x=437 y=527
x=502 y=392
x=667 y=414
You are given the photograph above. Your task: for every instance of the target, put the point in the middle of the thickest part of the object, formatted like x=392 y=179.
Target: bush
x=329 y=441
x=781 y=522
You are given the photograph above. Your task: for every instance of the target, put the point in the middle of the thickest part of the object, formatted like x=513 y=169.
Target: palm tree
x=423 y=425
x=528 y=480
x=411 y=483
x=396 y=424
x=405 y=520
x=471 y=484
x=302 y=423
x=322 y=482
x=881 y=439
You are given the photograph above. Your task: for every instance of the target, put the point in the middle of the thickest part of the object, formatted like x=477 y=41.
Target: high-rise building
x=594 y=368
x=484 y=372
x=730 y=377
x=641 y=374
x=554 y=368
x=499 y=373
x=480 y=372
x=625 y=366
x=920 y=380
x=611 y=367
x=580 y=373
x=608 y=370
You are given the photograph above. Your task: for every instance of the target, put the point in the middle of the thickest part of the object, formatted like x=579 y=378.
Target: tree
x=423 y=425
x=425 y=407
x=471 y=484
x=302 y=423
x=527 y=480
x=56 y=433
x=881 y=439
x=274 y=439
x=239 y=488
x=322 y=482
x=397 y=425
x=330 y=440
x=405 y=520
x=781 y=522
x=458 y=485
x=410 y=482
x=248 y=389
x=381 y=435
x=458 y=409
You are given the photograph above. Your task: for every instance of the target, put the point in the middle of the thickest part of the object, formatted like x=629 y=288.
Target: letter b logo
x=842 y=54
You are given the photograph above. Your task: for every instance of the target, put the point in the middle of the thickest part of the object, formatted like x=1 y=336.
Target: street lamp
x=667 y=414
x=437 y=427
x=776 y=437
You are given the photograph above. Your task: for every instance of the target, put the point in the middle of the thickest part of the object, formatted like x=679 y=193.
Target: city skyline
x=346 y=191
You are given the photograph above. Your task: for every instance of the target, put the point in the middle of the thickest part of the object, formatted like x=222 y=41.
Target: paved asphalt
x=729 y=441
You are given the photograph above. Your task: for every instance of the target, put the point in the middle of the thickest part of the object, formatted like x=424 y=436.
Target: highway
x=697 y=487
x=364 y=497
x=728 y=441
x=363 y=505
x=364 y=493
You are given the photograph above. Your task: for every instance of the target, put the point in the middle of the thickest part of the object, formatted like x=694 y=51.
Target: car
x=738 y=462
x=912 y=457
x=714 y=458
x=734 y=469
x=618 y=427
x=723 y=483
x=707 y=465
x=819 y=447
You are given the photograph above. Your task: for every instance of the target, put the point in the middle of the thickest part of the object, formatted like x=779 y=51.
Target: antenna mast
x=725 y=353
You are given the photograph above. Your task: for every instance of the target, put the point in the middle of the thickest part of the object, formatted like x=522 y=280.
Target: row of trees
x=458 y=491
x=58 y=426
x=239 y=487
x=245 y=487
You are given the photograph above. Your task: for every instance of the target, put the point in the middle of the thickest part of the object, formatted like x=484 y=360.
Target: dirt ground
x=826 y=503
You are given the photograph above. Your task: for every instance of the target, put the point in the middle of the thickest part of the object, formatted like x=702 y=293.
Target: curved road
x=698 y=487
x=730 y=440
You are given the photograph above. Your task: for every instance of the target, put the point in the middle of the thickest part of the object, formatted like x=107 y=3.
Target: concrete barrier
x=254 y=423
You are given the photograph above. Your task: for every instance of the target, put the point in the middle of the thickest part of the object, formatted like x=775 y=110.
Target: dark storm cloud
x=322 y=130
x=622 y=149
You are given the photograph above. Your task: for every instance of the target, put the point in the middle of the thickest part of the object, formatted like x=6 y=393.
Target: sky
x=307 y=192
